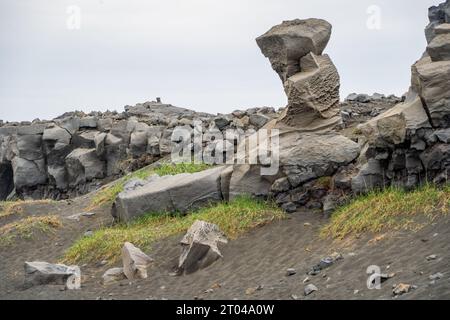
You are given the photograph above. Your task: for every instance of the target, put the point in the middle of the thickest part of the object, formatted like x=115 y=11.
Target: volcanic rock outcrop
x=409 y=144
x=75 y=153
x=310 y=79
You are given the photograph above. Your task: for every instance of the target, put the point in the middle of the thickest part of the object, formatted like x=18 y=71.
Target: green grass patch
x=233 y=218
x=27 y=227
x=109 y=193
x=387 y=210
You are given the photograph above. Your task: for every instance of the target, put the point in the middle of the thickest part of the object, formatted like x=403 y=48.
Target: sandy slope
x=258 y=259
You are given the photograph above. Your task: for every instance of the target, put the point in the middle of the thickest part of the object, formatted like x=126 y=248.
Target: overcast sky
x=199 y=54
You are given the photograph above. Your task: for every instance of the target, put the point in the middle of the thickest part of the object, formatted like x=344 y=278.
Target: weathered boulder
x=28 y=173
x=29 y=146
x=84 y=165
x=391 y=127
x=442 y=29
x=113 y=275
x=304 y=157
x=439 y=48
x=170 y=193
x=287 y=43
x=43 y=273
x=369 y=177
x=437 y=15
x=135 y=262
x=200 y=246
x=432 y=81
x=247 y=179
x=57 y=137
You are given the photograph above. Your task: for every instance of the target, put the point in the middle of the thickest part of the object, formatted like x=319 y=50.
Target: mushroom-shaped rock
x=310 y=79
x=286 y=43
x=43 y=273
x=135 y=262
x=200 y=246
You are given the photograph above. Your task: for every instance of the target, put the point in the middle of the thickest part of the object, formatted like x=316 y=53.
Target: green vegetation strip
x=233 y=218
x=109 y=193
x=389 y=209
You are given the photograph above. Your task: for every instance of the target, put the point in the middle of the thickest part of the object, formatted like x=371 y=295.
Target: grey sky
x=199 y=54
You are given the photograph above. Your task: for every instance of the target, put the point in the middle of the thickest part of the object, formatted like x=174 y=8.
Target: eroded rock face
x=310 y=79
x=43 y=273
x=408 y=145
x=200 y=246
x=74 y=154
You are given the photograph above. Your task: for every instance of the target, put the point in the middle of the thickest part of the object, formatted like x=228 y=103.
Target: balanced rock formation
x=200 y=246
x=310 y=79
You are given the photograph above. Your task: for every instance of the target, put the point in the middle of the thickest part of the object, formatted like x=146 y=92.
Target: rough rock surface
x=169 y=194
x=76 y=152
x=43 y=273
x=135 y=262
x=200 y=246
x=113 y=275
x=310 y=79
x=287 y=43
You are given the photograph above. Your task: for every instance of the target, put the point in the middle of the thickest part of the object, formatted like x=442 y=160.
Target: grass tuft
x=27 y=227
x=109 y=193
x=233 y=218
x=389 y=209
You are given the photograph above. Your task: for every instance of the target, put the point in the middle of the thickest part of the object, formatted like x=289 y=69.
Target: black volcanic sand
x=258 y=259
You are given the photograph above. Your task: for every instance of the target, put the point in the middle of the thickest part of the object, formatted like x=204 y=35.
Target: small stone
x=295 y=297
x=306 y=280
x=290 y=272
x=436 y=276
x=250 y=291
x=355 y=291
x=432 y=257
x=310 y=288
x=402 y=288
x=307 y=224
x=88 y=234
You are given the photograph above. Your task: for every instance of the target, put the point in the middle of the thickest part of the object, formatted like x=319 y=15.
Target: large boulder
x=392 y=126
x=28 y=173
x=135 y=262
x=432 y=81
x=247 y=179
x=304 y=157
x=169 y=194
x=200 y=246
x=43 y=273
x=57 y=137
x=83 y=165
x=439 y=48
x=437 y=15
x=286 y=43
